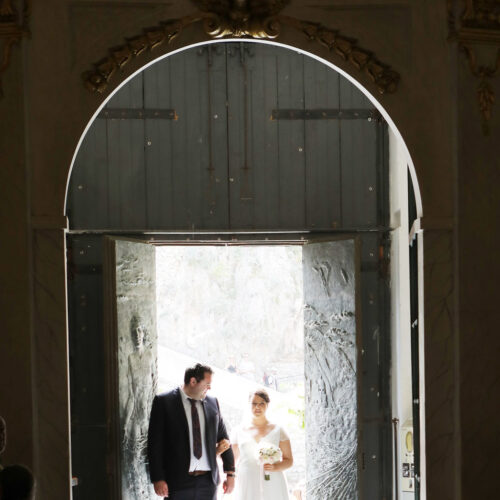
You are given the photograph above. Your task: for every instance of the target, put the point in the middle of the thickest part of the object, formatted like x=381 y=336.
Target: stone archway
x=49 y=178
x=84 y=184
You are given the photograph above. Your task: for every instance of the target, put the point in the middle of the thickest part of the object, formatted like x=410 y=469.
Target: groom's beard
x=200 y=395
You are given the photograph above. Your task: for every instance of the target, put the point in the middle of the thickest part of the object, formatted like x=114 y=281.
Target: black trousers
x=201 y=488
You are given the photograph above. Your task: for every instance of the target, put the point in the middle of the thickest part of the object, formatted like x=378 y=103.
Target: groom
x=186 y=432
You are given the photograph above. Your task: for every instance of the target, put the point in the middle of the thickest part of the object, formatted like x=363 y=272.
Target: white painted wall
x=400 y=295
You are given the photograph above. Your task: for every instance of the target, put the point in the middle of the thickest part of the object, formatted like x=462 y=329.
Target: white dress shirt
x=202 y=462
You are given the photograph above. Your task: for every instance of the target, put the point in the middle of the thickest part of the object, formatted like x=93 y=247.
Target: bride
x=250 y=482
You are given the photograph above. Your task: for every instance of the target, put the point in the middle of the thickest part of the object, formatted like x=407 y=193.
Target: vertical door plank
x=197 y=135
x=178 y=154
x=127 y=179
x=214 y=162
x=291 y=141
x=159 y=185
x=88 y=192
x=114 y=163
x=189 y=148
x=264 y=137
x=323 y=180
x=240 y=211
x=358 y=142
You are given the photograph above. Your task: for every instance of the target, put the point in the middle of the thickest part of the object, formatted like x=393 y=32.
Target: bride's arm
x=286 y=449
x=287 y=460
x=236 y=452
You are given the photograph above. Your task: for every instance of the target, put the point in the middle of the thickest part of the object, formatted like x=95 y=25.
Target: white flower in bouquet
x=269 y=453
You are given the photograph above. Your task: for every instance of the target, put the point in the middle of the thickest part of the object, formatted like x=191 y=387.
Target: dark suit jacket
x=168 y=440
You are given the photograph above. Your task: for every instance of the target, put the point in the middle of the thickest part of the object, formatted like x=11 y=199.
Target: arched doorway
x=250 y=138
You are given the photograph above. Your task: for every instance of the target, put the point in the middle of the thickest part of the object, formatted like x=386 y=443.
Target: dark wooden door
x=233 y=136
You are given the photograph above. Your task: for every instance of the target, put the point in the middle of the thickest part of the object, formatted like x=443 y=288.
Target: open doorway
x=238 y=309
x=254 y=290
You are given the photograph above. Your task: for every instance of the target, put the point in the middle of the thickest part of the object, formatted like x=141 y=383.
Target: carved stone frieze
x=14 y=16
x=259 y=19
x=476 y=23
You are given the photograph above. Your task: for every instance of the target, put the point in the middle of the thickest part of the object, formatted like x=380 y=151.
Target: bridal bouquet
x=268 y=453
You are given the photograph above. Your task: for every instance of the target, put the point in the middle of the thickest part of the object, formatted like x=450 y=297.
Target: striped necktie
x=196 y=429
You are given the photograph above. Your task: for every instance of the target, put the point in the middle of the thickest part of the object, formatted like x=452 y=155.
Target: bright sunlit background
x=238 y=309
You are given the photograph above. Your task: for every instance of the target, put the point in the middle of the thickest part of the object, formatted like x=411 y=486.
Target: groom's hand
x=228 y=485
x=222 y=446
x=161 y=488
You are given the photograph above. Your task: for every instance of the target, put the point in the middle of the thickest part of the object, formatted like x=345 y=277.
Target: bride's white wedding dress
x=250 y=483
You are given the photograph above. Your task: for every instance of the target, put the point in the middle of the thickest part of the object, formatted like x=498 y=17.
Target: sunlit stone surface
x=330 y=370
x=136 y=315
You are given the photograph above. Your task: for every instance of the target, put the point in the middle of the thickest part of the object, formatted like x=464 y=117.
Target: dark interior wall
x=16 y=368
x=410 y=36
x=478 y=216
x=217 y=137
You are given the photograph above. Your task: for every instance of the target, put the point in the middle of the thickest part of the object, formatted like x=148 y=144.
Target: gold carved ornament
x=478 y=25
x=13 y=27
x=258 y=19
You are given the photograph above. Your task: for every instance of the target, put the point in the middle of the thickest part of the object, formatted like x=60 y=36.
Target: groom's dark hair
x=197 y=371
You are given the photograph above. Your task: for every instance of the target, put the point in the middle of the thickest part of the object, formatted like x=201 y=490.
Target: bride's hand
x=222 y=446
x=270 y=467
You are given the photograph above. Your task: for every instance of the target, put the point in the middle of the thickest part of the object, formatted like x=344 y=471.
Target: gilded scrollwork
x=97 y=79
x=241 y=18
x=473 y=24
x=216 y=26
x=347 y=48
x=481 y=14
x=260 y=19
x=485 y=93
x=13 y=27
